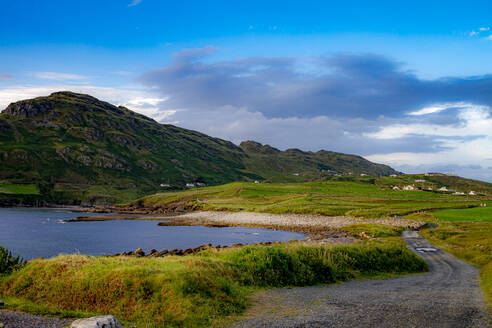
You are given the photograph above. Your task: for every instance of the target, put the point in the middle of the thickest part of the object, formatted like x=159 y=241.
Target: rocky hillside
x=75 y=148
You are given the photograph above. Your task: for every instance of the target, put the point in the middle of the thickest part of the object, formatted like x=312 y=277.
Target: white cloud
x=485 y=28
x=57 y=76
x=134 y=3
x=436 y=108
x=476 y=120
x=489 y=37
x=474 y=33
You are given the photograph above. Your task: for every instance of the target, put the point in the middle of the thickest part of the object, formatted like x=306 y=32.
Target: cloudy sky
x=408 y=84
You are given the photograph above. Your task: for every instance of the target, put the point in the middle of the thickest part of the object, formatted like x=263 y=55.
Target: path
x=447 y=296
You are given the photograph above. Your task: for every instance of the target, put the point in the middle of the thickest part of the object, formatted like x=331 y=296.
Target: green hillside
x=353 y=197
x=76 y=149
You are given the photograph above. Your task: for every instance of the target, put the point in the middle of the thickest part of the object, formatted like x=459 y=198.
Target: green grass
x=477 y=214
x=195 y=290
x=351 y=198
x=373 y=230
x=19 y=189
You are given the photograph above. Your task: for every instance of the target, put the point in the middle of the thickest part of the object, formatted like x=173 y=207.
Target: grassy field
x=351 y=197
x=19 y=189
x=194 y=290
x=477 y=214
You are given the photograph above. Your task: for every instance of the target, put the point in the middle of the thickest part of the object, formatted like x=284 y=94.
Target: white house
x=443 y=189
x=420 y=180
x=393 y=175
x=409 y=187
x=396 y=188
x=472 y=193
x=165 y=185
x=256 y=181
x=190 y=185
x=459 y=193
x=200 y=184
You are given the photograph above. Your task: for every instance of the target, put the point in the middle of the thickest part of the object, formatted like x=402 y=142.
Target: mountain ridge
x=79 y=149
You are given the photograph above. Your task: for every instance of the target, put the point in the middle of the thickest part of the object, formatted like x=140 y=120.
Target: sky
x=405 y=83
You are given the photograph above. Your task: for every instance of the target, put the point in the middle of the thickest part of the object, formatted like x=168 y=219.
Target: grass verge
x=196 y=290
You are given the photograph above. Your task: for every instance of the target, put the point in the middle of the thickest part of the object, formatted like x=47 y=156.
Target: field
x=195 y=290
x=477 y=214
x=350 y=197
x=19 y=189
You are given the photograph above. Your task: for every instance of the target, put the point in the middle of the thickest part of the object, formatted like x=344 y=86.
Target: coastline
x=317 y=227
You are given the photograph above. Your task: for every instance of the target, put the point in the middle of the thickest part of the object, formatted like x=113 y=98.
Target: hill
x=77 y=149
x=436 y=181
x=356 y=197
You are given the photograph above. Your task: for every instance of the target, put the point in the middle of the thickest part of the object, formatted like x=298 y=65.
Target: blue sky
x=404 y=83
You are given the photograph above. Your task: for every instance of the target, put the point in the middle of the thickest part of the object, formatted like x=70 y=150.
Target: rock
x=104 y=321
x=139 y=252
x=163 y=253
x=2 y=304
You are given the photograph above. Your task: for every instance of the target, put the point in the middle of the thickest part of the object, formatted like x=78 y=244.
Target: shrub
x=8 y=262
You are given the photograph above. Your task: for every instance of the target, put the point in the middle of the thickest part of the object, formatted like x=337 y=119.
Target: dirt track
x=447 y=296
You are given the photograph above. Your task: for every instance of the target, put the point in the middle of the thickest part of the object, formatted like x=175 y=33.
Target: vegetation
x=477 y=214
x=358 y=197
x=8 y=262
x=194 y=290
x=77 y=149
x=19 y=189
x=437 y=181
x=373 y=230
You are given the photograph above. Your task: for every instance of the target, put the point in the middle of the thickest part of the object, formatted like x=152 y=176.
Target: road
x=447 y=296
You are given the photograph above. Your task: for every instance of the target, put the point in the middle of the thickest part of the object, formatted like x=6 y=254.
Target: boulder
x=139 y=252
x=2 y=304
x=103 y=321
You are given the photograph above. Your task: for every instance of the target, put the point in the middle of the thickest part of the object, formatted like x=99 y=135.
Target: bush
x=8 y=262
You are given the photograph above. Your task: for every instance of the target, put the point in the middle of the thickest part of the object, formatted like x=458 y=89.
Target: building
x=420 y=180
x=200 y=184
x=443 y=189
x=472 y=193
x=393 y=175
x=396 y=188
x=165 y=185
x=409 y=187
x=459 y=193
x=256 y=181
x=190 y=185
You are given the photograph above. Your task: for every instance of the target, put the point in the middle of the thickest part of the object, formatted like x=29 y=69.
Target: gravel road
x=447 y=296
x=14 y=319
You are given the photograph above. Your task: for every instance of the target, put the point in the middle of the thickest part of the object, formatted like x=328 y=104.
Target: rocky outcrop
x=104 y=321
x=28 y=108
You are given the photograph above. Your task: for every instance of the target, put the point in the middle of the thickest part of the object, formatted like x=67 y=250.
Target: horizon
x=396 y=84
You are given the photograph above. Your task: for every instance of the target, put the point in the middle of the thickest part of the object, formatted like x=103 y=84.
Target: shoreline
x=317 y=227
